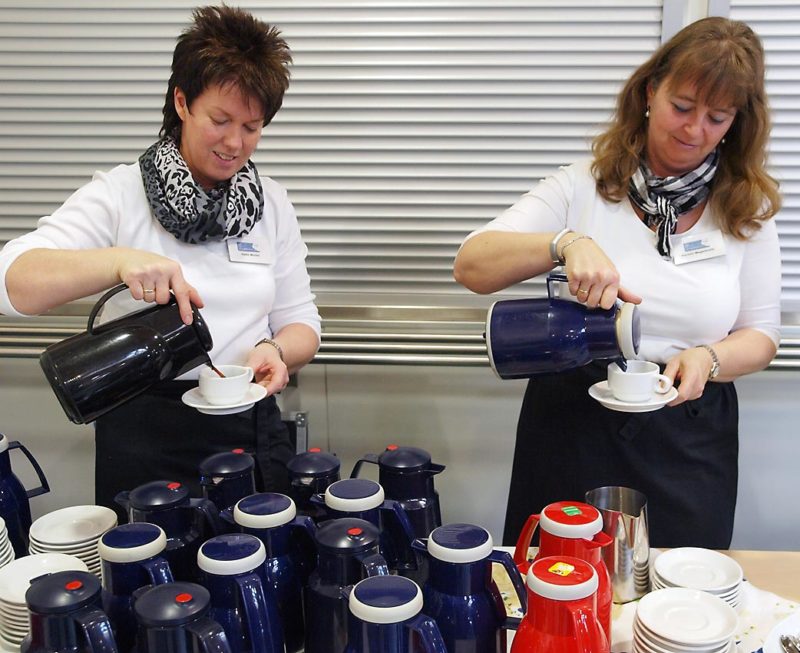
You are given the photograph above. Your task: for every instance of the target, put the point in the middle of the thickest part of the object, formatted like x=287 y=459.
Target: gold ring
x=583 y=291
x=149 y=290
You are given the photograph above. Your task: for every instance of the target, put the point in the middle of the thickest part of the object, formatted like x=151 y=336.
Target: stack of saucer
x=15 y=578
x=75 y=531
x=6 y=550
x=680 y=620
x=700 y=569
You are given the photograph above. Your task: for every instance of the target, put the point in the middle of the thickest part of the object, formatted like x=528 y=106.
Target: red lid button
x=392 y=447
x=73 y=585
x=183 y=598
x=173 y=486
x=314 y=450
x=354 y=532
x=237 y=450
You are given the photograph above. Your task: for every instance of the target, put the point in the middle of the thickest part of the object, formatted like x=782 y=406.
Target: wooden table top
x=775 y=571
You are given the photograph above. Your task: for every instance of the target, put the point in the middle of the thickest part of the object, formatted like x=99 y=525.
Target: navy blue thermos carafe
x=530 y=337
x=95 y=371
x=385 y=618
x=347 y=552
x=15 y=508
x=310 y=473
x=173 y=618
x=460 y=594
x=187 y=522
x=66 y=616
x=225 y=478
x=288 y=540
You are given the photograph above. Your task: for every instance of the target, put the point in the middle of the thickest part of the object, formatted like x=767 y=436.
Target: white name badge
x=687 y=248
x=242 y=250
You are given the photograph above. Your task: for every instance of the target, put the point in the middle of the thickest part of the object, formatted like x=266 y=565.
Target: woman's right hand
x=593 y=278
x=151 y=277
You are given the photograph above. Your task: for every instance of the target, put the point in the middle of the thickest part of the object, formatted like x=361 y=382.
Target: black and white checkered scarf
x=663 y=199
x=188 y=211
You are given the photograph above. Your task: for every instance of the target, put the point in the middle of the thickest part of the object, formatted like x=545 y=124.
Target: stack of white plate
x=75 y=531
x=6 y=550
x=679 y=620
x=700 y=569
x=15 y=578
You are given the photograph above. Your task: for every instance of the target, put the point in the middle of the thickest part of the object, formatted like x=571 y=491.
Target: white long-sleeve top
x=244 y=302
x=683 y=306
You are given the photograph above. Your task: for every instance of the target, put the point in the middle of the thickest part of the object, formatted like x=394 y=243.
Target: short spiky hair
x=227 y=46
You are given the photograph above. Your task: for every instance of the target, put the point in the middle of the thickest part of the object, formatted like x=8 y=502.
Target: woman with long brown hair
x=681 y=168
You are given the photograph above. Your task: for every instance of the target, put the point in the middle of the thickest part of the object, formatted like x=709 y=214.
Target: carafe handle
x=209 y=512
x=373 y=564
x=589 y=636
x=429 y=634
x=158 y=570
x=265 y=633
x=524 y=542
x=504 y=558
x=97 y=629
x=210 y=635
x=554 y=276
x=44 y=487
x=100 y=303
x=366 y=458
x=122 y=499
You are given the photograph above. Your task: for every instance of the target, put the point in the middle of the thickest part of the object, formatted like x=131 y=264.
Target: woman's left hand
x=689 y=373
x=270 y=370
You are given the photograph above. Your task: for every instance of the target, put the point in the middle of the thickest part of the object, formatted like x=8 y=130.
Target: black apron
x=155 y=436
x=684 y=459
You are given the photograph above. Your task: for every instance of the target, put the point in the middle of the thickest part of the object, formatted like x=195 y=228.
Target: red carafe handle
x=524 y=543
x=589 y=636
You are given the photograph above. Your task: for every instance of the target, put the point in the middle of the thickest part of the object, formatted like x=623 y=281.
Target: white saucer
x=691 y=618
x=601 y=392
x=72 y=528
x=789 y=626
x=194 y=399
x=700 y=569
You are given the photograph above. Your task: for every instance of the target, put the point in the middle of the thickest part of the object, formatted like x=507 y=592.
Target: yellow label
x=562 y=569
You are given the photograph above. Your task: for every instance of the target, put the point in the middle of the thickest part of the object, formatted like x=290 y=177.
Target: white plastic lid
x=227 y=566
x=571 y=519
x=255 y=520
x=385 y=599
x=3 y=443
x=132 y=553
x=460 y=543
x=625 y=331
x=366 y=495
x=562 y=578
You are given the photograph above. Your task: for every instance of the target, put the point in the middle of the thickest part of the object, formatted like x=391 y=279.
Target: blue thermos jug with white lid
x=531 y=337
x=290 y=554
x=385 y=617
x=15 y=508
x=460 y=594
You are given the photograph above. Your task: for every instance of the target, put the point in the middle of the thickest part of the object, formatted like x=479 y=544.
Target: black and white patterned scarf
x=189 y=212
x=663 y=199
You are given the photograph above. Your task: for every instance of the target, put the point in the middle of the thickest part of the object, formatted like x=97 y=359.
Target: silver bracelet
x=568 y=243
x=270 y=341
x=557 y=260
x=713 y=373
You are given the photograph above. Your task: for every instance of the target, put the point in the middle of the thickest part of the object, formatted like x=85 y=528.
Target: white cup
x=227 y=390
x=638 y=383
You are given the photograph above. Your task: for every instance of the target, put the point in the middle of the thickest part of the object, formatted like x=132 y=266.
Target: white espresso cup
x=228 y=390
x=638 y=382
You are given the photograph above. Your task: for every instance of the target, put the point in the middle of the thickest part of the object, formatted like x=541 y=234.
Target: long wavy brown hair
x=724 y=60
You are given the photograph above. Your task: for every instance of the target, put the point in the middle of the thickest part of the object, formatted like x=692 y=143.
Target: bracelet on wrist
x=270 y=341
x=568 y=243
x=557 y=260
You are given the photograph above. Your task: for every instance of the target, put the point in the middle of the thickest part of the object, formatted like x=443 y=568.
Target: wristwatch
x=714 y=371
x=557 y=260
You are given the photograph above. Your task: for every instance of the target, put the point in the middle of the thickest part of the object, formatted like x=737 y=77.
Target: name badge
x=687 y=248
x=241 y=250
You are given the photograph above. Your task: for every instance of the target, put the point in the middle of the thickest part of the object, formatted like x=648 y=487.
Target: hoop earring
x=647 y=113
